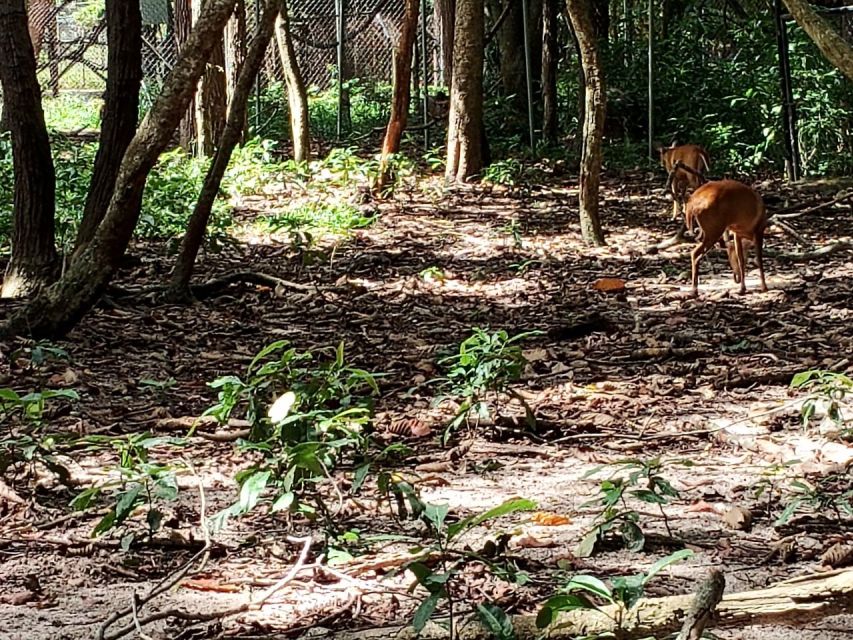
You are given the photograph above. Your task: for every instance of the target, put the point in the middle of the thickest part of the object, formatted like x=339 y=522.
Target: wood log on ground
x=793 y=602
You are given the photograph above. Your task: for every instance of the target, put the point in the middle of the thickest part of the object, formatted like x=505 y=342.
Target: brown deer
x=686 y=166
x=728 y=205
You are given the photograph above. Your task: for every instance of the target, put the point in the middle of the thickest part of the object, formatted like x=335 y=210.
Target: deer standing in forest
x=685 y=167
x=728 y=205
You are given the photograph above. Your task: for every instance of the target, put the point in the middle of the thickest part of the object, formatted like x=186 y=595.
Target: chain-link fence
x=70 y=41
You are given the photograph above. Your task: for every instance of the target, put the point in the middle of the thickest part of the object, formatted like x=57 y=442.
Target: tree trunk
x=34 y=260
x=235 y=52
x=57 y=309
x=297 y=96
x=510 y=41
x=183 y=27
x=593 y=124
x=179 y=288
x=211 y=100
x=120 y=114
x=550 y=56
x=401 y=91
x=444 y=12
x=831 y=45
x=465 y=127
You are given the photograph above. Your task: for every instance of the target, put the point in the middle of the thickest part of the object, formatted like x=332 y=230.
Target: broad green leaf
x=425 y=611
x=127 y=502
x=586 y=547
x=556 y=604
x=510 y=506
x=663 y=563
x=590 y=584
x=496 y=621
x=252 y=489
x=283 y=502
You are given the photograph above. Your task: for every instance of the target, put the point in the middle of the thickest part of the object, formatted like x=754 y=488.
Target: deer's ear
x=674 y=144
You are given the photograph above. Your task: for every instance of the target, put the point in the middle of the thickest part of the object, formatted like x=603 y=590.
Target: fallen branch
x=214 y=286
x=793 y=602
x=828 y=250
x=785 y=213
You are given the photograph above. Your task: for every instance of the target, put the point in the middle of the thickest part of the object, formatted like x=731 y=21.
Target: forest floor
x=648 y=372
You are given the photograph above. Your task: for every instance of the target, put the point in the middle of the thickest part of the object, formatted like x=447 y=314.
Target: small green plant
x=486 y=365
x=141 y=483
x=642 y=482
x=827 y=396
x=433 y=273
x=307 y=411
x=832 y=493
x=337 y=218
x=513 y=229
x=508 y=172
x=438 y=582
x=30 y=407
x=435 y=158
x=582 y=592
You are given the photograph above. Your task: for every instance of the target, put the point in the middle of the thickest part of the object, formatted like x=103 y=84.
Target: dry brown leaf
x=550 y=519
x=609 y=285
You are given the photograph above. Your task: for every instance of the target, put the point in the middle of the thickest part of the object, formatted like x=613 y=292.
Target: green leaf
x=106 y=523
x=127 y=502
x=496 y=621
x=252 y=489
x=510 y=506
x=283 y=502
x=556 y=604
x=590 y=584
x=663 y=563
x=628 y=589
x=425 y=611
x=435 y=514
x=586 y=547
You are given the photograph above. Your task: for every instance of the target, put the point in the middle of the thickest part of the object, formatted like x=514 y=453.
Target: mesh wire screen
x=69 y=37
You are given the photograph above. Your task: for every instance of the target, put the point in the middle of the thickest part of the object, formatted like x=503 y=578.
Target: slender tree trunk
x=235 y=52
x=465 y=129
x=444 y=12
x=211 y=100
x=183 y=27
x=120 y=114
x=297 y=96
x=831 y=45
x=402 y=90
x=55 y=310
x=34 y=260
x=593 y=124
x=179 y=288
x=550 y=56
x=510 y=41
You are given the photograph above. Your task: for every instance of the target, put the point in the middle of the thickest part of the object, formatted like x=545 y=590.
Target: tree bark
x=235 y=53
x=120 y=114
x=297 y=96
x=831 y=45
x=593 y=124
x=34 y=262
x=179 y=288
x=795 y=602
x=401 y=90
x=444 y=12
x=465 y=127
x=510 y=41
x=39 y=13
x=550 y=56
x=55 y=310
x=183 y=21
x=211 y=100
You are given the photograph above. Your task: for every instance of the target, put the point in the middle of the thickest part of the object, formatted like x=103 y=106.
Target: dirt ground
x=648 y=372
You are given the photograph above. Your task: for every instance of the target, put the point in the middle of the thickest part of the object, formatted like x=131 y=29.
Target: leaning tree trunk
x=120 y=114
x=57 y=309
x=444 y=12
x=402 y=90
x=831 y=45
x=297 y=96
x=34 y=259
x=593 y=124
x=179 y=288
x=550 y=56
x=465 y=127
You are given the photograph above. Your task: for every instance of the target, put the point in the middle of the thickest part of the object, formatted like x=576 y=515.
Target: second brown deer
x=695 y=162
x=728 y=205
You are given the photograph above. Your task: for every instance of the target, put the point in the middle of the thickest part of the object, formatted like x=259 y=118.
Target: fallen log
x=791 y=603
